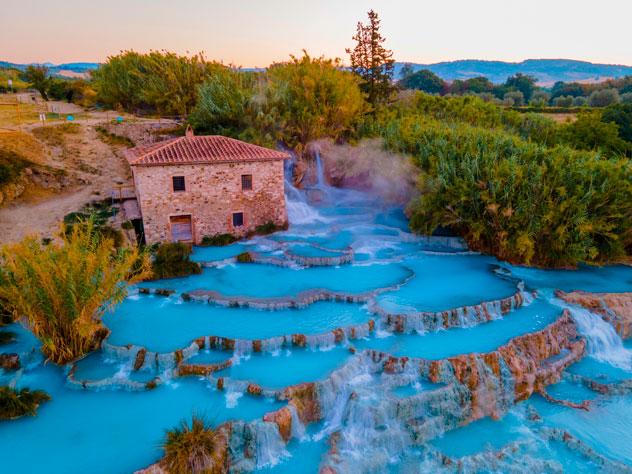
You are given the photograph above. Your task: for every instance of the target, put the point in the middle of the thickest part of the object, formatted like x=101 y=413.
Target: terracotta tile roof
x=200 y=149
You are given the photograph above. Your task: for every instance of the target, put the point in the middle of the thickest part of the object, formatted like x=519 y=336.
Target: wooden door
x=181 y=229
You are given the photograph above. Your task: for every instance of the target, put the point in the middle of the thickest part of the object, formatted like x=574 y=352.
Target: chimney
x=189 y=132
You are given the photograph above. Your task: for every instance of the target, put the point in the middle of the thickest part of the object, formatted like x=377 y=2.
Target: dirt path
x=96 y=167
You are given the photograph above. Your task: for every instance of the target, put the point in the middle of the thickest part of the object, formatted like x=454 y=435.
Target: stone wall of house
x=213 y=193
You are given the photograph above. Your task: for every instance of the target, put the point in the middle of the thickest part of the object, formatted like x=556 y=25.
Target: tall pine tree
x=371 y=61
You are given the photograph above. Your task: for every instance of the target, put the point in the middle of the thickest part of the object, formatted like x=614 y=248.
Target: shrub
x=174 y=260
x=244 y=257
x=603 y=98
x=267 y=228
x=11 y=165
x=194 y=449
x=55 y=135
x=563 y=101
x=63 y=290
x=218 y=240
x=520 y=201
x=580 y=101
x=16 y=403
x=112 y=138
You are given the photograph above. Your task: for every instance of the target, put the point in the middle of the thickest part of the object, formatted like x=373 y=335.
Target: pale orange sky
x=257 y=32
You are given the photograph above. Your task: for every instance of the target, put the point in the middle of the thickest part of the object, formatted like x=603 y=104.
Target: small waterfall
x=298 y=209
x=298 y=428
x=604 y=344
x=269 y=445
x=320 y=172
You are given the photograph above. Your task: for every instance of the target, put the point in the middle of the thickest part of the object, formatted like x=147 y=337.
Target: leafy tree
x=309 y=98
x=63 y=290
x=626 y=98
x=523 y=83
x=407 y=70
x=620 y=114
x=479 y=85
x=572 y=89
x=563 y=101
x=603 y=98
x=371 y=61
x=514 y=98
x=38 y=78
x=424 y=80
x=580 y=101
x=540 y=99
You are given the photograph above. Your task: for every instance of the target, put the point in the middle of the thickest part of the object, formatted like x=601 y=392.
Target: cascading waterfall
x=270 y=448
x=604 y=344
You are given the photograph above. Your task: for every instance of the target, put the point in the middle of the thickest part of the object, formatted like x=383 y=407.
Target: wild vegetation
x=512 y=196
x=63 y=289
x=511 y=181
x=372 y=62
x=156 y=82
x=173 y=260
x=195 y=448
x=292 y=103
x=16 y=403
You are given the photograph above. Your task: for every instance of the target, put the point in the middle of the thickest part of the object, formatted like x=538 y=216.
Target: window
x=238 y=219
x=246 y=182
x=178 y=183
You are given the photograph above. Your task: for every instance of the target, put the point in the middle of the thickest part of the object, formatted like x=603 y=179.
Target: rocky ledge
x=615 y=308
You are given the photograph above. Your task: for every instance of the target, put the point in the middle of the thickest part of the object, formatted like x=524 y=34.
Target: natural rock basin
x=336 y=365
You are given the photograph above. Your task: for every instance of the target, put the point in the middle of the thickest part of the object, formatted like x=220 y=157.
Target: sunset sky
x=258 y=32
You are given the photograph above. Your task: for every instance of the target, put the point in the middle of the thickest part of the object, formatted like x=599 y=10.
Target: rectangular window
x=178 y=183
x=238 y=219
x=246 y=182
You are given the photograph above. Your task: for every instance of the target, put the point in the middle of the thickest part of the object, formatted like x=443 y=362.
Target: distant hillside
x=547 y=71
x=67 y=69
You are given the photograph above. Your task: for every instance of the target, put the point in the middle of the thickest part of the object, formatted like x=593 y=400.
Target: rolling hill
x=547 y=71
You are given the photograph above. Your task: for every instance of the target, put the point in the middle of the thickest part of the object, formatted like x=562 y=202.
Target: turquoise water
x=443 y=282
x=78 y=427
x=155 y=322
x=287 y=367
x=481 y=338
x=116 y=430
x=269 y=281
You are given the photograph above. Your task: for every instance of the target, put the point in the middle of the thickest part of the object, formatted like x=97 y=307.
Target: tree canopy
x=372 y=61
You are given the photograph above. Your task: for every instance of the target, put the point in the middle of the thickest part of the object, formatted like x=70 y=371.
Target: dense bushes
x=520 y=201
x=16 y=403
x=174 y=260
x=11 y=165
x=294 y=102
x=62 y=290
x=194 y=449
x=160 y=82
x=218 y=240
x=473 y=111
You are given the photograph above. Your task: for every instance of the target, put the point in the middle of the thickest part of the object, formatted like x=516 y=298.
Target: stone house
x=195 y=186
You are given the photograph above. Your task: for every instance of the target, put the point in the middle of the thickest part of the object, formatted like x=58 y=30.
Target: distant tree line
x=522 y=90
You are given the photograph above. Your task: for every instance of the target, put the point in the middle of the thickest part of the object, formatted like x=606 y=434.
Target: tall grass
x=521 y=201
x=62 y=290
x=16 y=403
x=195 y=448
